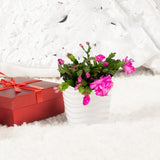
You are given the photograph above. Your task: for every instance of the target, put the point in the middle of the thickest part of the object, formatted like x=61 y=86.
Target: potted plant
x=87 y=85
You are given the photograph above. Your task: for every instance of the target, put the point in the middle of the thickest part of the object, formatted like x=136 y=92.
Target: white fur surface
x=131 y=133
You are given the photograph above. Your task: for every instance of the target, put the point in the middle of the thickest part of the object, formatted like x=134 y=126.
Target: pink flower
x=87 y=43
x=74 y=67
x=77 y=86
x=99 y=57
x=102 y=86
x=86 y=99
x=87 y=75
x=56 y=90
x=81 y=45
x=128 y=68
x=105 y=63
x=60 y=61
x=79 y=79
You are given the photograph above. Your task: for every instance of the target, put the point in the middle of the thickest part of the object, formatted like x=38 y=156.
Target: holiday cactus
x=93 y=73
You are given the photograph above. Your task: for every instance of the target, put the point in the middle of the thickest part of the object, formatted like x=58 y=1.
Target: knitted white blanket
x=131 y=133
x=34 y=33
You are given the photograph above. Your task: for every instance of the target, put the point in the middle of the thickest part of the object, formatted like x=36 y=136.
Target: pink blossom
x=87 y=43
x=56 y=90
x=105 y=63
x=99 y=57
x=79 y=79
x=128 y=68
x=81 y=45
x=60 y=61
x=102 y=86
x=87 y=75
x=86 y=99
x=77 y=86
x=74 y=67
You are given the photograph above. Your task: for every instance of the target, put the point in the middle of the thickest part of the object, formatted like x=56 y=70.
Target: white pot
x=96 y=111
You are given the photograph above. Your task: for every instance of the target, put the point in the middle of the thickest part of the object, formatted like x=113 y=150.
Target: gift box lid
x=9 y=99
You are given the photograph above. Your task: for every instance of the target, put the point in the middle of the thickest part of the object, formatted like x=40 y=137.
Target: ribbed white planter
x=96 y=111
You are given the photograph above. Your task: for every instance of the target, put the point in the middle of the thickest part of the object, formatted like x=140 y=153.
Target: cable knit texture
x=34 y=33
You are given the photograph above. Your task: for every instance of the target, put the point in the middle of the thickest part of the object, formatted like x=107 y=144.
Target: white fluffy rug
x=132 y=131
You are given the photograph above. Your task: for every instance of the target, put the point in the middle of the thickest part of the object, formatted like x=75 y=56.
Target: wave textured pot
x=97 y=111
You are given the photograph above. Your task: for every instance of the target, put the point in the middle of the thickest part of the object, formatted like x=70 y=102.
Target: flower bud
x=87 y=75
x=86 y=99
x=68 y=54
x=81 y=45
x=105 y=63
x=79 y=79
x=60 y=61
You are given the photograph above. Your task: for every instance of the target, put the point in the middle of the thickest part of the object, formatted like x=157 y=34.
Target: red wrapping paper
x=16 y=108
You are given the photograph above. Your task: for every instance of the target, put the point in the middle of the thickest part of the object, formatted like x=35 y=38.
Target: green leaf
x=87 y=69
x=72 y=58
x=88 y=89
x=111 y=56
x=91 y=58
x=70 y=82
x=79 y=73
x=61 y=69
x=81 y=89
x=100 y=64
x=63 y=86
x=117 y=65
x=95 y=70
x=105 y=70
x=89 y=49
x=112 y=71
x=95 y=63
x=84 y=58
x=84 y=83
x=121 y=64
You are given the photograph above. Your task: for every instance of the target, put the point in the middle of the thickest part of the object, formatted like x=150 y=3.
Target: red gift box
x=28 y=100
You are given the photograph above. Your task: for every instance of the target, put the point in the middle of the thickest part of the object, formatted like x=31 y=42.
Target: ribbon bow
x=13 y=84
x=24 y=85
